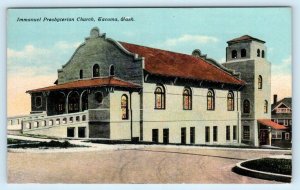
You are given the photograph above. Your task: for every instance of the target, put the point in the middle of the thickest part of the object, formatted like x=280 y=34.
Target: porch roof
x=270 y=123
x=94 y=82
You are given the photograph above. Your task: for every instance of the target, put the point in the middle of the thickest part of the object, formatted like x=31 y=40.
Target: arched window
x=258 y=52
x=210 y=100
x=112 y=70
x=187 y=99
x=38 y=101
x=160 y=97
x=99 y=97
x=230 y=101
x=234 y=54
x=243 y=53
x=260 y=82
x=73 y=102
x=263 y=54
x=266 y=107
x=80 y=74
x=96 y=70
x=246 y=106
x=124 y=106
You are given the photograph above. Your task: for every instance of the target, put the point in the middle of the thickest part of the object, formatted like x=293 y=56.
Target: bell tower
x=247 y=55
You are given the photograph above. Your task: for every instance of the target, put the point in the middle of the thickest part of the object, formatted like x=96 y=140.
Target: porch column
x=67 y=105
x=80 y=102
x=270 y=136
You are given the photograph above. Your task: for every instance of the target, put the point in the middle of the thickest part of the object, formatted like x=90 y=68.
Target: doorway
x=263 y=137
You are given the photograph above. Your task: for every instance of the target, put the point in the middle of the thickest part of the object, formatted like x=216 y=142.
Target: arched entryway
x=84 y=101
x=56 y=103
x=73 y=102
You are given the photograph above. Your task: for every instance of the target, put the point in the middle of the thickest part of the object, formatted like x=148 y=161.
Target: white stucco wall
x=174 y=117
x=120 y=129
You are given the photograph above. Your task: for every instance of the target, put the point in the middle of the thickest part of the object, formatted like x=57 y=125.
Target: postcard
x=149 y=95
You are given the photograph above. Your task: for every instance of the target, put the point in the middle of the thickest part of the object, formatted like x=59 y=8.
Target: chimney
x=274 y=98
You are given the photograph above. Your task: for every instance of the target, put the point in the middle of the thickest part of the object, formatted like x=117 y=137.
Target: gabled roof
x=94 y=82
x=286 y=101
x=167 y=63
x=244 y=38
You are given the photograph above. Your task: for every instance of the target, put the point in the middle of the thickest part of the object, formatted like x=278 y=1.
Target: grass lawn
x=279 y=166
x=41 y=145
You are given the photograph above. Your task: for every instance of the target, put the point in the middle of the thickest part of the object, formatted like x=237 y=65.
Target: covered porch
x=266 y=128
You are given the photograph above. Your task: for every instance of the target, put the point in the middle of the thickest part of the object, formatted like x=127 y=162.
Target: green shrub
x=45 y=145
x=273 y=165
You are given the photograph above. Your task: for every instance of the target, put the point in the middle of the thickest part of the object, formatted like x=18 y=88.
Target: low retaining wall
x=260 y=174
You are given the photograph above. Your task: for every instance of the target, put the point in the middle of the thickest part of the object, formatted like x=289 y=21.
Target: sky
x=35 y=50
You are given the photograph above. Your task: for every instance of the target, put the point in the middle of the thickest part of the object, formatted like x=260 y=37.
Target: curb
x=239 y=169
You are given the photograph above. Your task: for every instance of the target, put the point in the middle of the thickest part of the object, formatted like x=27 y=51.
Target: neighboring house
x=282 y=114
x=117 y=90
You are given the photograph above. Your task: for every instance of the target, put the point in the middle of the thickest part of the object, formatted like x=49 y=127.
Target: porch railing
x=55 y=120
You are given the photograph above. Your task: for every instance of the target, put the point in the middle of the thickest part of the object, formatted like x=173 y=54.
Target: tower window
x=112 y=70
x=187 y=99
x=263 y=54
x=246 y=106
x=243 y=53
x=258 y=52
x=259 y=82
x=234 y=54
x=266 y=107
x=96 y=70
x=160 y=97
x=81 y=74
x=210 y=100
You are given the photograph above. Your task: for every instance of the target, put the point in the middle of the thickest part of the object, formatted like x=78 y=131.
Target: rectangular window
x=228 y=133
x=234 y=132
x=183 y=135
x=207 y=134
x=215 y=133
x=287 y=136
x=81 y=132
x=285 y=122
x=246 y=133
x=165 y=136
x=155 y=135
x=70 y=131
x=192 y=135
x=276 y=135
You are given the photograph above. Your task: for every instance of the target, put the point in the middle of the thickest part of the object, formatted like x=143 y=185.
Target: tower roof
x=244 y=38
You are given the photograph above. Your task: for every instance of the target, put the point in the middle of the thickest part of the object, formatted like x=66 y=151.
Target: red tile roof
x=244 y=38
x=166 y=63
x=271 y=124
x=95 y=82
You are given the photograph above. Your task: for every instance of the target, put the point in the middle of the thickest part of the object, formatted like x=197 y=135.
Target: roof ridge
x=158 y=49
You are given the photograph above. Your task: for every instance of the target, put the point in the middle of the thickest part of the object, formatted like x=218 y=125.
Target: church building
x=121 y=91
